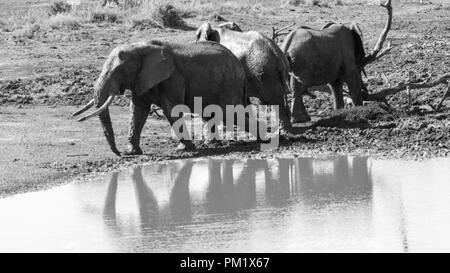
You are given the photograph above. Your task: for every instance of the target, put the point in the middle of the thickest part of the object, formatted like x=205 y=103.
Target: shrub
x=59 y=8
x=65 y=21
x=314 y=2
x=338 y=2
x=132 y=3
x=167 y=15
x=104 y=16
x=295 y=2
x=141 y=23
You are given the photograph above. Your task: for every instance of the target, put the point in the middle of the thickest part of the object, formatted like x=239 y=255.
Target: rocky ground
x=45 y=77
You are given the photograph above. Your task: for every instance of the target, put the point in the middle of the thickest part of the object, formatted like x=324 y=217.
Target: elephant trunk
x=103 y=100
x=105 y=119
x=103 y=112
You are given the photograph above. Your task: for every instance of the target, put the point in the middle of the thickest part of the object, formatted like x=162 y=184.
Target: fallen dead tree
x=379 y=51
x=384 y=93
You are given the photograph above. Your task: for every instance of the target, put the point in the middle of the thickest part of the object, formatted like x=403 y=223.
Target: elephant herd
x=228 y=66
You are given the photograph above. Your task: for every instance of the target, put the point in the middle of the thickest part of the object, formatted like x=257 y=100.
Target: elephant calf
x=329 y=56
x=265 y=65
x=166 y=75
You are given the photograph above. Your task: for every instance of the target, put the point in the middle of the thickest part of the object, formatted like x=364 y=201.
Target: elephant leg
x=336 y=89
x=167 y=106
x=274 y=94
x=354 y=83
x=210 y=137
x=254 y=87
x=140 y=109
x=299 y=113
x=251 y=123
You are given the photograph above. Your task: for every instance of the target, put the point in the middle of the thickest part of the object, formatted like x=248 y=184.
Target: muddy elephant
x=331 y=56
x=265 y=65
x=166 y=75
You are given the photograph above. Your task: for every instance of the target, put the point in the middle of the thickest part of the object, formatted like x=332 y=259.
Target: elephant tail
x=246 y=98
x=283 y=74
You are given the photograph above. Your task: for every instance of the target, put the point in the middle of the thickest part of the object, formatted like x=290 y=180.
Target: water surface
x=209 y=205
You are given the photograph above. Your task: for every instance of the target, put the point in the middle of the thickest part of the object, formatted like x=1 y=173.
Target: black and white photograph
x=224 y=127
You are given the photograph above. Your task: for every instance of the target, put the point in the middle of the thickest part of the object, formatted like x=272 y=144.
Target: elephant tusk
x=86 y=107
x=99 y=110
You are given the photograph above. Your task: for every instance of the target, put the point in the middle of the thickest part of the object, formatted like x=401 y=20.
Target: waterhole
x=211 y=205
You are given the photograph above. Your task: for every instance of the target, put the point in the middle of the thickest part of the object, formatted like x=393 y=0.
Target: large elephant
x=166 y=75
x=332 y=55
x=265 y=65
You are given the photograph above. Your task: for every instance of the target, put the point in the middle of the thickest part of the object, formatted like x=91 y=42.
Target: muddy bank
x=33 y=158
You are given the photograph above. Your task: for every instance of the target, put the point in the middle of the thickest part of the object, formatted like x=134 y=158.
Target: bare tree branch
x=446 y=95
x=278 y=32
x=378 y=51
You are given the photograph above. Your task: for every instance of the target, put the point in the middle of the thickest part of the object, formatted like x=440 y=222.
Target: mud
x=44 y=79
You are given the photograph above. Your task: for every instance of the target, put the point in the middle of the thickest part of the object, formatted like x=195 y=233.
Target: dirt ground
x=43 y=79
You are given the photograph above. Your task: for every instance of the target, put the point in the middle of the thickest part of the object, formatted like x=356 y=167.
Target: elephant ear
x=358 y=42
x=157 y=66
x=231 y=26
x=203 y=32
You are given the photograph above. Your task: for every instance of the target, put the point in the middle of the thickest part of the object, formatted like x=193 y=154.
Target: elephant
x=332 y=55
x=265 y=65
x=167 y=75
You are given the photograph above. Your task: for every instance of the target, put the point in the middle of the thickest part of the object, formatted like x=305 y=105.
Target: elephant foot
x=186 y=146
x=132 y=150
x=211 y=141
x=260 y=139
x=267 y=141
x=301 y=118
x=287 y=137
x=286 y=132
x=285 y=127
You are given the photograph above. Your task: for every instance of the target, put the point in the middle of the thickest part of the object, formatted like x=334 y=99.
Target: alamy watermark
x=259 y=121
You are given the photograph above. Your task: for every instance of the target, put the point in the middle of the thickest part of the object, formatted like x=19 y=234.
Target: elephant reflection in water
x=302 y=185
x=223 y=194
x=302 y=177
x=149 y=210
x=342 y=179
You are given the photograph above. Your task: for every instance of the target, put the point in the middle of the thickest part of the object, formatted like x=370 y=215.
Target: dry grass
x=320 y=3
x=4 y=26
x=64 y=21
x=27 y=32
x=138 y=14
